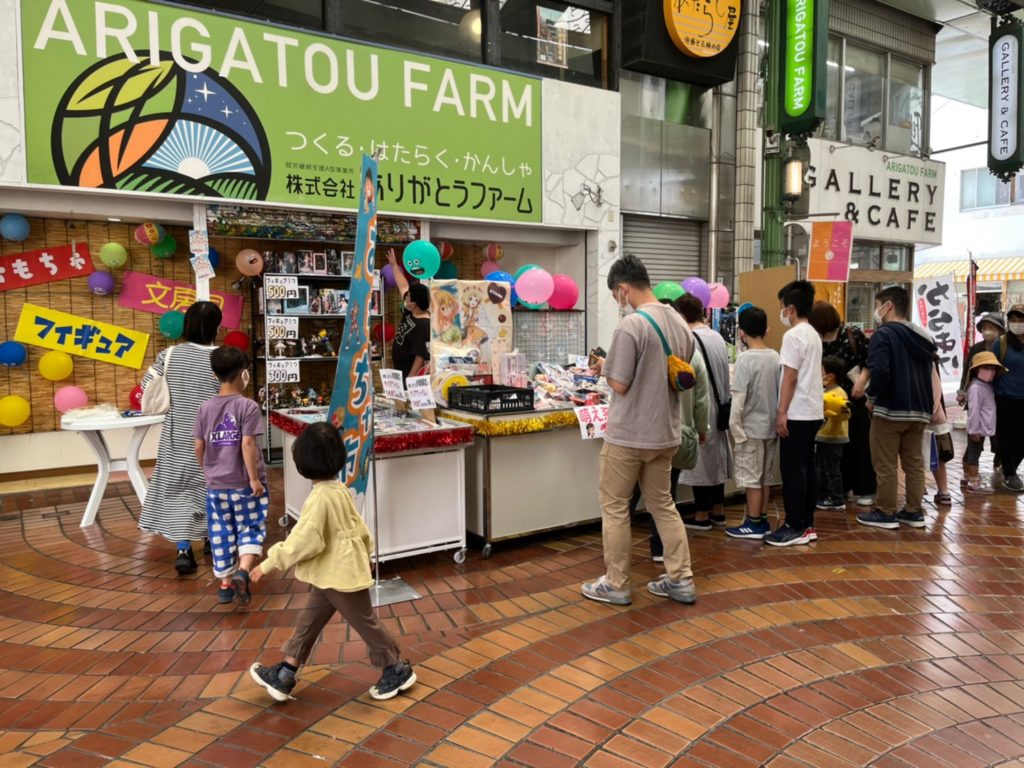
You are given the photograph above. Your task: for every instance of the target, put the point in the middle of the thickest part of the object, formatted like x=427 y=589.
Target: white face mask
x=784 y=319
x=1017 y=329
x=990 y=335
x=987 y=374
x=879 y=315
x=624 y=306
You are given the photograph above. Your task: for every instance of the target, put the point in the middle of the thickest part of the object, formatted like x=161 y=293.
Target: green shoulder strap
x=664 y=344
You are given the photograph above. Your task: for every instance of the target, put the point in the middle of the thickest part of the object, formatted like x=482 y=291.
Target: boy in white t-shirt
x=799 y=415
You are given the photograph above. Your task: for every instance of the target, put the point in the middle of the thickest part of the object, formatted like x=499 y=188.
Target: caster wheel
x=283 y=521
x=459 y=556
x=486 y=551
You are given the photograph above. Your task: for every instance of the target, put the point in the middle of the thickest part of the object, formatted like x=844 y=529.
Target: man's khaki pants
x=894 y=443
x=621 y=468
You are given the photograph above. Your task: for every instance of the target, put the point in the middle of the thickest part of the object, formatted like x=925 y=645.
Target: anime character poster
x=352 y=398
x=471 y=315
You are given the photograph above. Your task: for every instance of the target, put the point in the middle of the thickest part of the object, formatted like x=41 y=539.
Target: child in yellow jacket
x=330 y=550
x=833 y=435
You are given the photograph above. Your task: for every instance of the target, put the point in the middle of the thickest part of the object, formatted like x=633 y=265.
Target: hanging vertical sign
x=351 y=408
x=1005 y=150
x=804 y=67
x=935 y=304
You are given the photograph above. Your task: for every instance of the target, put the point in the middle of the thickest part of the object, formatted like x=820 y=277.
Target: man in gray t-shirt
x=644 y=432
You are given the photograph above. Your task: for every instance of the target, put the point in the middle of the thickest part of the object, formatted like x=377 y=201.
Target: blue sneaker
x=603 y=592
x=226 y=595
x=913 y=519
x=876 y=518
x=749 y=530
x=785 y=536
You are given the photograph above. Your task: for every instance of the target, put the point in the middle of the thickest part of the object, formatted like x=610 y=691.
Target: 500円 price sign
x=281 y=287
x=282 y=328
x=282 y=371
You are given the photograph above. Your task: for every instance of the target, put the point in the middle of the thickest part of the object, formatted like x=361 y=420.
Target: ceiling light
x=114 y=219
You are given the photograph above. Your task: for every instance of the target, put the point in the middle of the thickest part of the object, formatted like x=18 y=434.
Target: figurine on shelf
x=280 y=348
x=314 y=346
x=305 y=347
x=325 y=342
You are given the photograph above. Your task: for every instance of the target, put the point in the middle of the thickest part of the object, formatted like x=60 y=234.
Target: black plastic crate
x=490 y=398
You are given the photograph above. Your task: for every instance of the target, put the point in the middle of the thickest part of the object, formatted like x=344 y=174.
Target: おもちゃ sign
x=50 y=329
x=47 y=265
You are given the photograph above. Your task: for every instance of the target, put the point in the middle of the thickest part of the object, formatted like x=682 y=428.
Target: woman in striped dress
x=175 y=505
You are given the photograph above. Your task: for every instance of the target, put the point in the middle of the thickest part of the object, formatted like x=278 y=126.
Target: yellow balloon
x=56 y=366
x=14 y=410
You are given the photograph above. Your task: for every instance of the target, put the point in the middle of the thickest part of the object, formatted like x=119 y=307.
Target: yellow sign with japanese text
x=50 y=329
x=702 y=28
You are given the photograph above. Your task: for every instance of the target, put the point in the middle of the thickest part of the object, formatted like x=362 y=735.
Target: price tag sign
x=198 y=242
x=282 y=371
x=282 y=328
x=202 y=267
x=421 y=395
x=281 y=287
x=394 y=389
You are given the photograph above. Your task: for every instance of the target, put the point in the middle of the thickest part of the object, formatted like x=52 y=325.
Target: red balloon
x=237 y=339
x=135 y=398
x=389 y=332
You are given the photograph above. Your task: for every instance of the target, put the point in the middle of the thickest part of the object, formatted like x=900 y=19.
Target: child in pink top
x=981 y=415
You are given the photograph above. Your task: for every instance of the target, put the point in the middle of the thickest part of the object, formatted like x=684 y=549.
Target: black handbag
x=724 y=409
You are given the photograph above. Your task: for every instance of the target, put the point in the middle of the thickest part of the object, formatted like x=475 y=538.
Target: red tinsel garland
x=386 y=444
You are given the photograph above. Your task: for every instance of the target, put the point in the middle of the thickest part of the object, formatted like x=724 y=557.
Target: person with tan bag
x=182 y=380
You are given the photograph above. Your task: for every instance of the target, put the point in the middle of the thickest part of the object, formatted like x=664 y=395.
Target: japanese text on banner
x=149 y=293
x=50 y=329
x=936 y=310
x=593 y=421
x=46 y=265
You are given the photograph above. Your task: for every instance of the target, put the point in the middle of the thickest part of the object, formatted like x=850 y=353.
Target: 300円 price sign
x=282 y=371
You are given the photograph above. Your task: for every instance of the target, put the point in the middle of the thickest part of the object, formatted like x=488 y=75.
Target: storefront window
x=980 y=189
x=906 y=107
x=830 y=128
x=860 y=303
x=297 y=13
x=896 y=258
x=863 y=96
x=865 y=256
x=667 y=100
x=449 y=28
x=556 y=40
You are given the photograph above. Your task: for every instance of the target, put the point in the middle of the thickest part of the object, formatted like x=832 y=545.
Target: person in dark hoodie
x=901 y=358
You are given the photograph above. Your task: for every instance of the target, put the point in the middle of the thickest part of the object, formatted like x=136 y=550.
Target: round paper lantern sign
x=668 y=291
x=249 y=262
x=237 y=339
x=149 y=234
x=135 y=398
x=69 y=398
x=172 y=324
x=697 y=287
x=101 y=283
x=14 y=411
x=12 y=354
x=565 y=294
x=421 y=259
x=493 y=252
x=447 y=271
x=165 y=248
x=15 y=227
x=113 y=255
x=535 y=286
x=719 y=296
x=56 y=366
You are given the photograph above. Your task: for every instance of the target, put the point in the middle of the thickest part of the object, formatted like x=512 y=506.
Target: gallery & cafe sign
x=1006 y=89
x=151 y=98
x=888 y=198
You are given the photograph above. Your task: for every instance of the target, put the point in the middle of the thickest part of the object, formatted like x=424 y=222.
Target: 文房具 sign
x=158 y=295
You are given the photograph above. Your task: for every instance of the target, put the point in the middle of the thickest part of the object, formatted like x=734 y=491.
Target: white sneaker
x=866 y=501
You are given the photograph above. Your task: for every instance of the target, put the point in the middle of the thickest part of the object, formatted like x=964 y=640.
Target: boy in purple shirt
x=226 y=432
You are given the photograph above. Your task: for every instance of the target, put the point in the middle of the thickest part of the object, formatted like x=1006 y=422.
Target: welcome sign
x=144 y=97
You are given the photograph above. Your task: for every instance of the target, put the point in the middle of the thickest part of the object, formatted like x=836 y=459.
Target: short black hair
x=227 y=362
x=319 y=452
x=798 y=294
x=753 y=321
x=898 y=296
x=834 y=366
x=420 y=296
x=629 y=270
x=824 y=317
x=690 y=307
x=202 y=320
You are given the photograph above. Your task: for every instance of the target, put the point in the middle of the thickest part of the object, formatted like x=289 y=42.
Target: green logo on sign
x=799 y=83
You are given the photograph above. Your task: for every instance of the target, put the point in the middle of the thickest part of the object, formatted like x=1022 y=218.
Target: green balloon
x=165 y=248
x=528 y=305
x=113 y=255
x=668 y=291
x=172 y=324
x=524 y=268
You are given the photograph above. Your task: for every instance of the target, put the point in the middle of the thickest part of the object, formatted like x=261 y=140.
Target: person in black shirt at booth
x=411 y=348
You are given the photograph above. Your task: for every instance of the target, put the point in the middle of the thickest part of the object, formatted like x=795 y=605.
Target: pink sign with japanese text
x=46 y=265
x=157 y=295
x=831 y=247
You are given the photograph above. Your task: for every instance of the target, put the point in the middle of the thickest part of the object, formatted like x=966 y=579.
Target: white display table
x=92 y=428
x=420 y=482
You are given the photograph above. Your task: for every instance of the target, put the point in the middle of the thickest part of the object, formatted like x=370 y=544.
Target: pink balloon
x=535 y=286
x=489 y=267
x=68 y=398
x=249 y=262
x=719 y=296
x=565 y=293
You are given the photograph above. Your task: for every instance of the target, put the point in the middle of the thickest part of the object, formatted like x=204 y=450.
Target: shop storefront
x=119 y=115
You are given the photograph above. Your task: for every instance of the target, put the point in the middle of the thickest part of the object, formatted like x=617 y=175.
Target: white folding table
x=92 y=430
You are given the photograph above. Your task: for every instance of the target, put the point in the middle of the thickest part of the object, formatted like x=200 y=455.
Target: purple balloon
x=101 y=283
x=697 y=287
x=388 y=277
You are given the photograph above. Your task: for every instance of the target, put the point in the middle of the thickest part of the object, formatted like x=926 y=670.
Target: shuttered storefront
x=671 y=249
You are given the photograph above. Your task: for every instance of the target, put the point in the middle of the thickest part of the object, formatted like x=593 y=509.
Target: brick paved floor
x=869 y=647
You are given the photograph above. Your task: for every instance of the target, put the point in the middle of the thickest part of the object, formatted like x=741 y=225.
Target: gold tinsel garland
x=525 y=425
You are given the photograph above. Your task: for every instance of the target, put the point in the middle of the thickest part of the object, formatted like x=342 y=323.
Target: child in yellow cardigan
x=833 y=435
x=330 y=550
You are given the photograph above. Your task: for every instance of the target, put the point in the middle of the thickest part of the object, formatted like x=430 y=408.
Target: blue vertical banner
x=352 y=397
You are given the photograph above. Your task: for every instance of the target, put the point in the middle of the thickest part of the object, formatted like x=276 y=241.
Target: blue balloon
x=505 y=277
x=12 y=353
x=214 y=257
x=15 y=227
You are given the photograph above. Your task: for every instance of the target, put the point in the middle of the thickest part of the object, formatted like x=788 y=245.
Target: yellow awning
x=989 y=270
